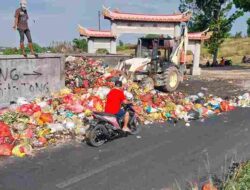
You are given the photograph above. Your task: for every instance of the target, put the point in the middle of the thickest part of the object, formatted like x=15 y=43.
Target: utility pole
x=99 y=19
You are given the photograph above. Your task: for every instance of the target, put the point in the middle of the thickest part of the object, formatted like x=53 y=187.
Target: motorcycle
x=106 y=127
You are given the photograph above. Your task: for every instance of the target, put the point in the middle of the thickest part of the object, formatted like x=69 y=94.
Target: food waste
x=62 y=116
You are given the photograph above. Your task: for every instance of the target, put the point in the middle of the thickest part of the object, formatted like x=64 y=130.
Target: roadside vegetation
x=76 y=46
x=240 y=180
x=232 y=48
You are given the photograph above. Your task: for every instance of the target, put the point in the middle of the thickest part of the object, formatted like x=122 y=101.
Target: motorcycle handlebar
x=127 y=104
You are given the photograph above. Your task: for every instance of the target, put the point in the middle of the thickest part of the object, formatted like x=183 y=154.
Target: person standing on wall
x=21 y=24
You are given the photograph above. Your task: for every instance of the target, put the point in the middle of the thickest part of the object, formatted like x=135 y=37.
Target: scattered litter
x=204 y=89
x=65 y=115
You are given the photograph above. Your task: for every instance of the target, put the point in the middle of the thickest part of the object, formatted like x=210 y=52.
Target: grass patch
x=233 y=48
x=240 y=180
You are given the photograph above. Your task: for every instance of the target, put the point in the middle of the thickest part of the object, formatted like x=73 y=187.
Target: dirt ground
x=220 y=81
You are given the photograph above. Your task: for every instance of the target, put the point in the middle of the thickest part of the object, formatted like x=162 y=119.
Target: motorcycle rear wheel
x=95 y=136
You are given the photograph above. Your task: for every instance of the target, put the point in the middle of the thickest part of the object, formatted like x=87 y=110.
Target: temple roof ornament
x=95 y=33
x=201 y=36
x=171 y=18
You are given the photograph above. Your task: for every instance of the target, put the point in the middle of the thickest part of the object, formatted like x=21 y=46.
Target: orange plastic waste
x=46 y=118
x=209 y=186
x=225 y=106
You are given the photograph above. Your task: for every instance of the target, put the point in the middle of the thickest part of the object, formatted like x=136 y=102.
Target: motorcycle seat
x=104 y=114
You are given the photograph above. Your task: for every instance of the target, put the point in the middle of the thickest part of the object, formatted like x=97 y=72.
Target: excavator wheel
x=147 y=83
x=171 y=79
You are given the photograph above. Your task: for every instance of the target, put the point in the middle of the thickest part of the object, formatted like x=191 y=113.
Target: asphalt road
x=161 y=156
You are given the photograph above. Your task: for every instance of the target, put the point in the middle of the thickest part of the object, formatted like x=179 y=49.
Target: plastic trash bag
x=22 y=150
x=56 y=127
x=102 y=92
x=5 y=134
x=6 y=149
x=46 y=118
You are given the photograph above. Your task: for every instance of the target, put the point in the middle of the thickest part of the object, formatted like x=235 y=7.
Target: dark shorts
x=25 y=32
x=120 y=114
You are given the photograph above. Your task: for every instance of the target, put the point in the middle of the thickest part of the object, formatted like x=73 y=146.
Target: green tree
x=80 y=44
x=37 y=48
x=102 y=51
x=183 y=6
x=152 y=36
x=14 y=51
x=11 y=51
x=248 y=28
x=121 y=43
x=245 y=6
x=238 y=35
x=213 y=14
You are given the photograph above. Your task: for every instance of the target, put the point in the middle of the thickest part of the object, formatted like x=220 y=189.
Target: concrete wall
x=113 y=46
x=119 y=28
x=101 y=43
x=31 y=77
x=91 y=48
x=195 y=47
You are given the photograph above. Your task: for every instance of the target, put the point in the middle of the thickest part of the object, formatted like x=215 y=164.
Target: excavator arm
x=181 y=46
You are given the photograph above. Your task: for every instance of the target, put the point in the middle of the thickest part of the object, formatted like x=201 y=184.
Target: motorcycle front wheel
x=135 y=127
x=95 y=136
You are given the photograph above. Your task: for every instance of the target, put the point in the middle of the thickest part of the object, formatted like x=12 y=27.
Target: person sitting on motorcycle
x=115 y=99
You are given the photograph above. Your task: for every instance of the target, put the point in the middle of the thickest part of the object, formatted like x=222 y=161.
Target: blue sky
x=58 y=19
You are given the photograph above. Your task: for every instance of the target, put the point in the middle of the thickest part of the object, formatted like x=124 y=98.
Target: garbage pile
x=65 y=115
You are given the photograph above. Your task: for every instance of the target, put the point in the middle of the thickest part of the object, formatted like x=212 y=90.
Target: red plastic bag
x=138 y=109
x=146 y=98
x=91 y=61
x=225 y=106
x=6 y=149
x=29 y=133
x=5 y=134
x=83 y=73
x=85 y=84
x=29 y=109
x=76 y=108
x=110 y=84
x=100 y=82
x=158 y=101
x=68 y=99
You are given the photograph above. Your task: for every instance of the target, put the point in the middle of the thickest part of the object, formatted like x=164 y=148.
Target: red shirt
x=114 y=101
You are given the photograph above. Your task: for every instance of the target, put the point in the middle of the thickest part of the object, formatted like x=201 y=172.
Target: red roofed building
x=98 y=39
x=95 y=33
x=194 y=45
x=200 y=36
x=130 y=23
x=119 y=16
